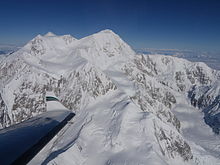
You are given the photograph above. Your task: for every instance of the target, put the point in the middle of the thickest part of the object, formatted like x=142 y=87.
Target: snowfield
x=113 y=130
x=131 y=109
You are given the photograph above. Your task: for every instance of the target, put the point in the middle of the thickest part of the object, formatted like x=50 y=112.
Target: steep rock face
x=9 y=68
x=177 y=73
x=87 y=83
x=171 y=144
x=4 y=119
x=180 y=74
x=207 y=98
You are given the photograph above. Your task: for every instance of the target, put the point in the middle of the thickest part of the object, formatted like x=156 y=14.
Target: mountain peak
x=104 y=45
x=50 y=34
x=107 y=31
x=38 y=36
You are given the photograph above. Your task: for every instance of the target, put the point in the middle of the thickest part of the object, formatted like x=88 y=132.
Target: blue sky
x=181 y=24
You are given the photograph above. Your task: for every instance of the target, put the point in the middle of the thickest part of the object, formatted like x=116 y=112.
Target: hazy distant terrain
x=210 y=58
x=8 y=48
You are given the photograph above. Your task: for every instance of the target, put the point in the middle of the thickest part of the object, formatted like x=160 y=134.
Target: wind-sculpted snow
x=123 y=101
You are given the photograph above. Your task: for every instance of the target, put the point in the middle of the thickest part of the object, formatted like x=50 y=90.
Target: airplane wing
x=21 y=142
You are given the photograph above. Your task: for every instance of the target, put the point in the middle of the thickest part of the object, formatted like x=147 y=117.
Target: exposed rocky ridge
x=151 y=97
x=172 y=145
x=179 y=74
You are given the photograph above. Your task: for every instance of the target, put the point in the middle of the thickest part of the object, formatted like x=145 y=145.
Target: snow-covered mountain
x=127 y=105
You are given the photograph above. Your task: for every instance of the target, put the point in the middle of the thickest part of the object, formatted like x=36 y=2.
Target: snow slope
x=204 y=142
x=113 y=130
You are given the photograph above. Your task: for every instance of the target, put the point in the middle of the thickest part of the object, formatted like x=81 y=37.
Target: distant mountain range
x=130 y=108
x=210 y=58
